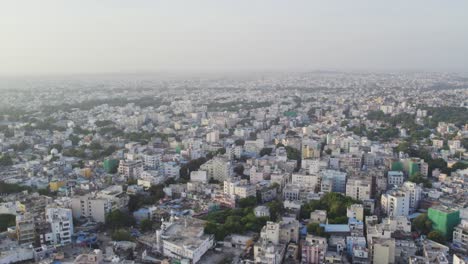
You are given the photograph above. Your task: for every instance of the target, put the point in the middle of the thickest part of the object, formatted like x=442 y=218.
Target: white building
x=96 y=206
x=414 y=192
x=212 y=137
x=306 y=182
x=335 y=179
x=395 y=203
x=359 y=189
x=217 y=168
x=130 y=169
x=183 y=239
x=395 y=178
x=171 y=169
x=262 y=211
x=61 y=224
x=149 y=178
x=460 y=235
x=198 y=176
x=239 y=188
x=152 y=161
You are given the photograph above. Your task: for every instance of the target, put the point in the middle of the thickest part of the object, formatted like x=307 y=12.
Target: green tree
x=265 y=151
x=6 y=160
x=459 y=166
x=276 y=209
x=422 y=224
x=122 y=235
x=239 y=142
x=316 y=230
x=239 y=169
x=146 y=225
x=293 y=153
x=118 y=219
x=418 y=178
x=247 y=202
x=436 y=236
x=7 y=220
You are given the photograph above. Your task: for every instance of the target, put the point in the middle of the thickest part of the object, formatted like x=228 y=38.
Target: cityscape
x=227 y=166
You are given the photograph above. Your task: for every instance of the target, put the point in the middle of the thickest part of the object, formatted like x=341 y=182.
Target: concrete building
x=314 y=249
x=359 y=188
x=262 y=211
x=444 y=219
x=395 y=178
x=199 y=176
x=183 y=239
x=218 y=168
x=130 y=169
x=25 y=229
x=355 y=211
x=306 y=182
x=460 y=235
x=92 y=207
x=335 y=179
x=318 y=216
x=239 y=188
x=212 y=137
x=383 y=250
x=291 y=192
x=61 y=223
x=151 y=161
x=395 y=203
x=414 y=192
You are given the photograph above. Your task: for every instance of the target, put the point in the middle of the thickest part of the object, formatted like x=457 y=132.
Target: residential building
x=183 y=238
x=359 y=188
x=334 y=179
x=314 y=249
x=444 y=219
x=25 y=229
x=395 y=203
x=61 y=223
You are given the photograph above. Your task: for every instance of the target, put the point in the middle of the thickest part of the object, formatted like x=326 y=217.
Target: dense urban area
x=319 y=167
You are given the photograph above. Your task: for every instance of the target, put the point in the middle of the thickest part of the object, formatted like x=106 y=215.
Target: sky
x=47 y=37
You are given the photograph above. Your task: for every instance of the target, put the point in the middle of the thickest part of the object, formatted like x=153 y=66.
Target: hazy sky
x=94 y=36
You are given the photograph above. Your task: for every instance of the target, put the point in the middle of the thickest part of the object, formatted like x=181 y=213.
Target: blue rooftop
x=336 y=228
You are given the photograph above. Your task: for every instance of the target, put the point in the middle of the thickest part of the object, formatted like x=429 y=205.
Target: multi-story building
x=460 y=235
x=395 y=203
x=170 y=169
x=151 y=161
x=92 y=207
x=414 y=191
x=131 y=168
x=359 y=188
x=355 y=211
x=239 y=188
x=274 y=237
x=218 y=168
x=310 y=149
x=306 y=182
x=416 y=165
x=335 y=180
x=383 y=250
x=444 y=219
x=212 y=137
x=199 y=176
x=25 y=229
x=183 y=238
x=61 y=226
x=314 y=249
x=395 y=178
x=96 y=206
x=291 y=192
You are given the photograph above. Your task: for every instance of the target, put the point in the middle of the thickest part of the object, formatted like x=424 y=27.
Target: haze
x=89 y=36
